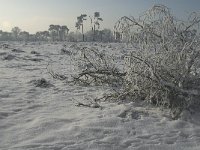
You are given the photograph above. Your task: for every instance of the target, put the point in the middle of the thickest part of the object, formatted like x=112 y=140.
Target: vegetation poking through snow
x=91 y=104
x=94 y=68
x=97 y=68
x=42 y=83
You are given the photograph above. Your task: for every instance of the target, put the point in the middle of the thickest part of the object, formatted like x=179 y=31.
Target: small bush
x=9 y=57
x=97 y=68
x=34 y=52
x=42 y=83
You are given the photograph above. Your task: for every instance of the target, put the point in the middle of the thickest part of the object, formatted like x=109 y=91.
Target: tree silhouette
x=42 y=35
x=57 y=28
x=45 y=35
x=16 y=31
x=58 y=32
x=6 y=35
x=52 y=30
x=79 y=23
x=95 y=22
x=24 y=35
x=55 y=32
x=63 y=31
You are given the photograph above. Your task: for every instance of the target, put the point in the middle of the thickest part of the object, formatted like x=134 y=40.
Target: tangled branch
x=164 y=68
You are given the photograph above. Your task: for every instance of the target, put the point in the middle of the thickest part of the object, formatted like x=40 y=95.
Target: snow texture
x=38 y=112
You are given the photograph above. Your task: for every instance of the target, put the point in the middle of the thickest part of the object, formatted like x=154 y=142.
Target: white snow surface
x=36 y=118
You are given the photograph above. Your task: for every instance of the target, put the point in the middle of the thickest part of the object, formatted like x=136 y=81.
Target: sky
x=37 y=15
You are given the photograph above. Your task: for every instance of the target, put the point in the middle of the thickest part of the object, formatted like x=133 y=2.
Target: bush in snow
x=164 y=67
x=97 y=68
x=42 y=83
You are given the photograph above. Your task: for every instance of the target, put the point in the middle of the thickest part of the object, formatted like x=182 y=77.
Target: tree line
x=61 y=32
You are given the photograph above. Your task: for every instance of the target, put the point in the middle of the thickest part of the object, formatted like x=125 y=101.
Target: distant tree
x=89 y=36
x=6 y=36
x=95 y=22
x=45 y=35
x=79 y=23
x=38 y=36
x=97 y=19
x=74 y=37
x=71 y=37
x=52 y=30
x=24 y=35
x=55 y=32
x=118 y=36
x=1 y=32
x=32 y=37
x=106 y=35
x=57 y=28
x=16 y=31
x=63 y=32
x=42 y=35
x=58 y=32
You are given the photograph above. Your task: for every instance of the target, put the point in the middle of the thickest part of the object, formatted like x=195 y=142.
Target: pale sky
x=37 y=15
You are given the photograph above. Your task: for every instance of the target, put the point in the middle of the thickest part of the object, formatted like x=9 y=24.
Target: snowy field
x=33 y=117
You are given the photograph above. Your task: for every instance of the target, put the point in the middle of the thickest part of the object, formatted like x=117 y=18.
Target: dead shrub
x=163 y=68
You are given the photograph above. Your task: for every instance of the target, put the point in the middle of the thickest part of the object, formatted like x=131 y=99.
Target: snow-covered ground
x=47 y=118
